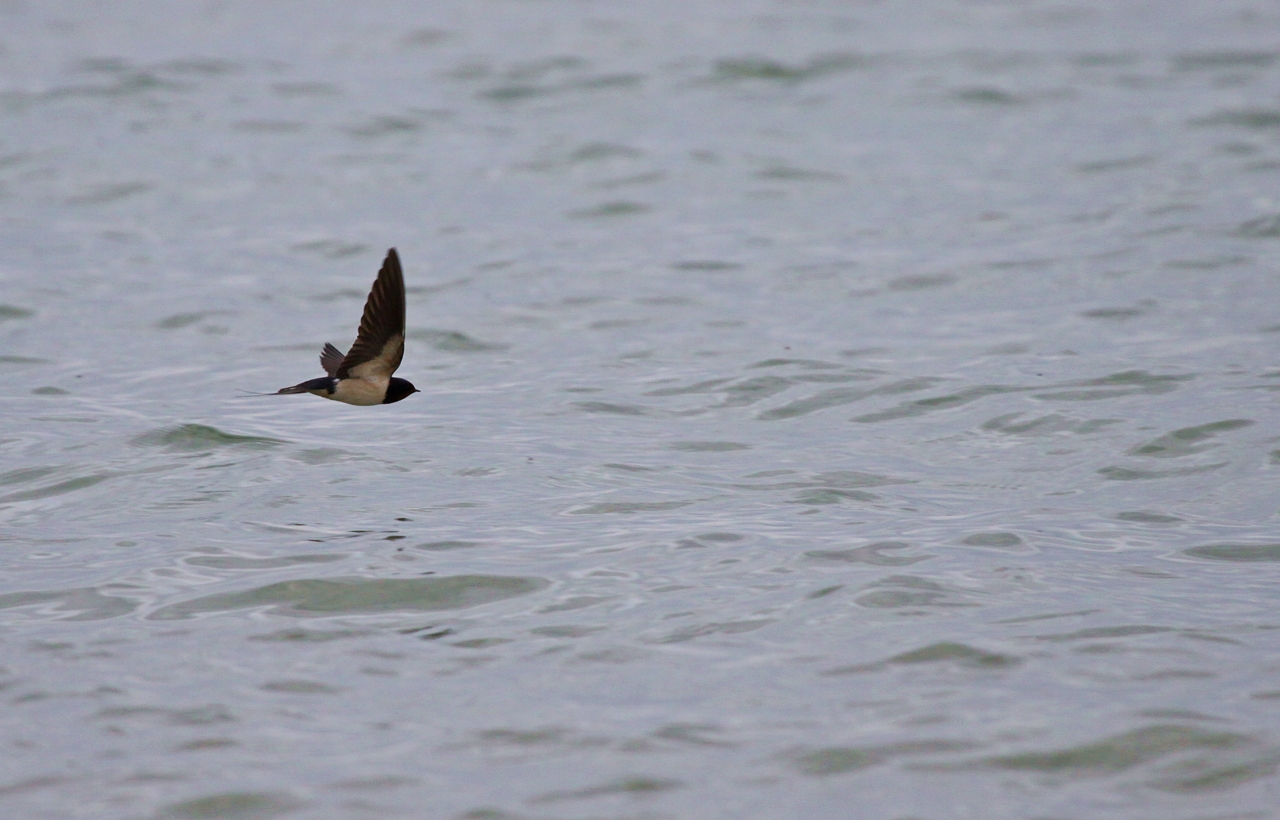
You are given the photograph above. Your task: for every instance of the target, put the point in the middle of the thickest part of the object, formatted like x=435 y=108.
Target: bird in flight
x=363 y=376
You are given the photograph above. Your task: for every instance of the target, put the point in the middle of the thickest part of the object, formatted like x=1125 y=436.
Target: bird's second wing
x=330 y=359
x=379 y=346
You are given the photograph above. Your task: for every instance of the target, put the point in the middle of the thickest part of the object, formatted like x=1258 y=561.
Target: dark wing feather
x=379 y=346
x=330 y=359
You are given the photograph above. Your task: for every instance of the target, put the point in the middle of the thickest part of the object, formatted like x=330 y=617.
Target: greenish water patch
x=998 y=540
x=822 y=401
x=1199 y=777
x=841 y=396
x=631 y=786
x=109 y=192
x=837 y=760
x=206 y=743
x=1100 y=166
x=566 y=631
x=1115 y=385
x=841 y=759
x=1092 y=633
x=596 y=151
x=955 y=652
x=315 y=596
x=921 y=407
x=320 y=455
x=85 y=604
x=1183 y=442
x=986 y=95
x=1143 y=517
x=442 y=546
x=707 y=386
x=874 y=554
x=1237 y=552
x=898 y=591
x=605 y=81
x=608 y=407
x=233 y=806
x=334 y=249
x=727 y=628
x=512 y=93
x=304 y=687
x=196 y=437
x=60 y=488
x=706 y=265
x=1263 y=227
x=750 y=391
x=607 y=209
x=1120 y=752
x=480 y=643
x=309 y=635
x=14 y=312
x=180 y=320
x=453 y=341
x=760 y=68
x=787 y=173
x=1126 y=474
x=26 y=474
x=1212 y=60
x=386 y=125
x=1113 y=313
x=827 y=495
x=921 y=282
x=708 y=446
x=194 y=716
x=1243 y=118
x=943 y=652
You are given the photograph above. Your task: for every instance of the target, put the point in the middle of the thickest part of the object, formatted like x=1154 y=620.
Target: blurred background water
x=832 y=409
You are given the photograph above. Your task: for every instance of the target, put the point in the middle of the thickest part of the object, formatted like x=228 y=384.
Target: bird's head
x=399 y=389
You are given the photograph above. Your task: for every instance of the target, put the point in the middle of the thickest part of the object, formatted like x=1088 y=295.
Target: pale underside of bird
x=364 y=375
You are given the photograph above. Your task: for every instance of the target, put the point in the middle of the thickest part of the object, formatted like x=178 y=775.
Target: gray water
x=831 y=409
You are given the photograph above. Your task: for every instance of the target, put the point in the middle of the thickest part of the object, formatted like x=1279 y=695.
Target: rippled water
x=832 y=409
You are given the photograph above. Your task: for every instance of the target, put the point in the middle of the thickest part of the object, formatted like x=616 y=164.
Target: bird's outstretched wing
x=330 y=359
x=379 y=346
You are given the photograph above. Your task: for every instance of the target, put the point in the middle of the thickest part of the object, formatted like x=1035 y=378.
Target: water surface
x=830 y=410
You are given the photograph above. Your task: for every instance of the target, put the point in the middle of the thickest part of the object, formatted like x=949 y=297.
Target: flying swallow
x=363 y=376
